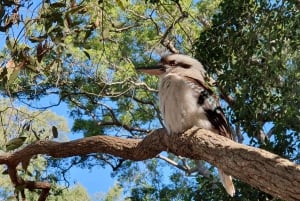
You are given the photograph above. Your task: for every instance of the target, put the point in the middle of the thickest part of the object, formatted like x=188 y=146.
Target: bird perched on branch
x=186 y=100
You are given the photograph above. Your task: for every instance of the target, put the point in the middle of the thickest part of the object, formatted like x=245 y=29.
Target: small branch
x=238 y=133
x=30 y=185
x=142 y=84
x=173 y=163
x=142 y=17
x=202 y=169
x=204 y=21
x=121 y=29
x=145 y=102
x=184 y=163
x=179 y=7
x=270 y=132
x=170 y=46
x=153 y=21
x=229 y=99
x=199 y=168
x=165 y=41
x=261 y=136
x=116 y=122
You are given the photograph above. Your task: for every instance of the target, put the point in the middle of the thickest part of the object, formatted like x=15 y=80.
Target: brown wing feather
x=210 y=103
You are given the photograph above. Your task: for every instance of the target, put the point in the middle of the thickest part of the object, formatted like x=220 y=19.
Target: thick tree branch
x=261 y=169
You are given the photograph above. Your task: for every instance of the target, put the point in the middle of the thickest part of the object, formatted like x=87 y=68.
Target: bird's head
x=178 y=64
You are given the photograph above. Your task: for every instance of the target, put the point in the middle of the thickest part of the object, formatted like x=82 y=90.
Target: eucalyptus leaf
x=15 y=143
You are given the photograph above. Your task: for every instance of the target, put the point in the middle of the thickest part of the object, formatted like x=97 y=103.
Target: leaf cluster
x=253 y=51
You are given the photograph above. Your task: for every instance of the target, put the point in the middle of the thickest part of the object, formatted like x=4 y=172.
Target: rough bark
x=261 y=169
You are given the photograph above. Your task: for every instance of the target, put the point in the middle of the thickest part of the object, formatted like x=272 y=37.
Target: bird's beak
x=153 y=70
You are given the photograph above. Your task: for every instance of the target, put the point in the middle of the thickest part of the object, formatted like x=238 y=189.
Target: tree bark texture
x=259 y=168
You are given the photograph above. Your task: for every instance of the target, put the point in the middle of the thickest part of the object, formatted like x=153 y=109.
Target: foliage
x=114 y=194
x=247 y=44
x=252 y=49
x=19 y=122
x=76 y=193
x=84 y=53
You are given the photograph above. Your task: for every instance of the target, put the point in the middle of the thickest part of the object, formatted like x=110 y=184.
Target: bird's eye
x=185 y=65
x=172 y=63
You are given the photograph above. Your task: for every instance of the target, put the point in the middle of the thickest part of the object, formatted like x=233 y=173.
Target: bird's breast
x=179 y=107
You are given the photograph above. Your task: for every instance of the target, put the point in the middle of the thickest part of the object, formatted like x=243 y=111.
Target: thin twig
x=173 y=163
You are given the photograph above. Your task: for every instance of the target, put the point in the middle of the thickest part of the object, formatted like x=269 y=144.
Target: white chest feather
x=179 y=107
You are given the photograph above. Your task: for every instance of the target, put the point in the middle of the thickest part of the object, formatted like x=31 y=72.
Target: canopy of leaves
x=253 y=50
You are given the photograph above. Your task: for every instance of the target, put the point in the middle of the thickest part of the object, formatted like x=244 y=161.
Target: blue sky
x=95 y=180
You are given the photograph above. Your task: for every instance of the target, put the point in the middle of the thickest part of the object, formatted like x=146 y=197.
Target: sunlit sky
x=97 y=180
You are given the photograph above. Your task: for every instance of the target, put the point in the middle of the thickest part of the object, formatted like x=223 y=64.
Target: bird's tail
x=227 y=182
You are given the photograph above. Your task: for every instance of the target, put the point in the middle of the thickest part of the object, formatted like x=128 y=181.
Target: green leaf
x=12 y=74
x=15 y=143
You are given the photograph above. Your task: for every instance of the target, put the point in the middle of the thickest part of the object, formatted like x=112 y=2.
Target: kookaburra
x=186 y=100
